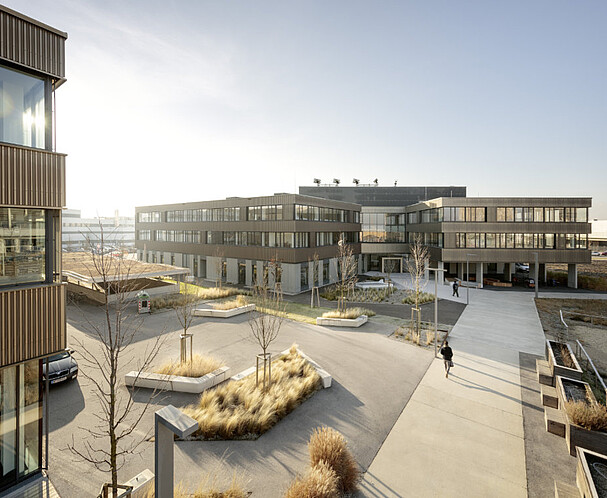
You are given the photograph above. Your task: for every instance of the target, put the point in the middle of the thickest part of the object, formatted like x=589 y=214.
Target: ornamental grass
x=350 y=313
x=592 y=416
x=319 y=482
x=198 y=367
x=240 y=409
x=230 y=305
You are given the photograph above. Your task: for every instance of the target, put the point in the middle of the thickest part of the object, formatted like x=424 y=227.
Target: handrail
x=565 y=324
x=596 y=372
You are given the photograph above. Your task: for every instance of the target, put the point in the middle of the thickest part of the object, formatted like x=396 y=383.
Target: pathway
x=463 y=436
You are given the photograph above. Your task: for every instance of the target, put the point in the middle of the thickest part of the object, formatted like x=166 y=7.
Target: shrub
x=591 y=416
x=319 y=482
x=430 y=335
x=199 y=366
x=424 y=297
x=349 y=313
x=239 y=409
x=229 y=305
x=329 y=446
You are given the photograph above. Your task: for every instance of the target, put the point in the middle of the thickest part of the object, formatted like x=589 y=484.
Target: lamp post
x=468 y=278
x=436 y=270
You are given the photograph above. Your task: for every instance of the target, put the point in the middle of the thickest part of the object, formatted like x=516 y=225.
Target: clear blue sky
x=171 y=101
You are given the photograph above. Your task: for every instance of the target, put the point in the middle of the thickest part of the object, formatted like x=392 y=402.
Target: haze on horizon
x=199 y=100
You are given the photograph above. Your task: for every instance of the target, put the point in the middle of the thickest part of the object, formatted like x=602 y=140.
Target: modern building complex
x=32 y=194
x=383 y=236
x=483 y=235
x=237 y=239
x=597 y=240
x=84 y=234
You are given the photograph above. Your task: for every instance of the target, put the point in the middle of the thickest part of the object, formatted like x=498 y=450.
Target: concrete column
x=479 y=274
x=461 y=268
x=441 y=274
x=532 y=270
x=508 y=271
x=543 y=273
x=164 y=460
x=572 y=276
x=232 y=271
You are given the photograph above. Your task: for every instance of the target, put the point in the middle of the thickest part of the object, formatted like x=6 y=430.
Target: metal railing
x=589 y=367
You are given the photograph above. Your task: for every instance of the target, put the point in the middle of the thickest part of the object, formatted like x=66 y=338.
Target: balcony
x=31 y=177
x=32 y=322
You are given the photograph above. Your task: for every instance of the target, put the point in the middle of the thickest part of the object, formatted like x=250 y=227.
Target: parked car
x=61 y=367
x=521 y=267
x=596 y=253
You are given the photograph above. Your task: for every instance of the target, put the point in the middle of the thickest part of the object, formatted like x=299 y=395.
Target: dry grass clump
x=591 y=416
x=230 y=305
x=239 y=409
x=194 y=292
x=350 y=313
x=424 y=297
x=319 y=482
x=199 y=366
x=329 y=446
x=430 y=335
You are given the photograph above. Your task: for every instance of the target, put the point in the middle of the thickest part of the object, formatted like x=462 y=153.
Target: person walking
x=455 y=288
x=447 y=353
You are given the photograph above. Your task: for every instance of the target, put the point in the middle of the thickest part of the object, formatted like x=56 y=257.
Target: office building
x=237 y=239
x=32 y=194
x=84 y=234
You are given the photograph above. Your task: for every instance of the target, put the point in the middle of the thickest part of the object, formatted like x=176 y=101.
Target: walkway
x=463 y=436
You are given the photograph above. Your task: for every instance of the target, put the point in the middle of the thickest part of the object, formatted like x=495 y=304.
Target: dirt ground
x=598 y=267
x=592 y=336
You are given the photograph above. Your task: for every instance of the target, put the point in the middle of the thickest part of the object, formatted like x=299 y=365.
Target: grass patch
x=186 y=290
x=206 y=489
x=350 y=313
x=231 y=304
x=319 y=482
x=358 y=295
x=240 y=410
x=424 y=297
x=589 y=415
x=199 y=366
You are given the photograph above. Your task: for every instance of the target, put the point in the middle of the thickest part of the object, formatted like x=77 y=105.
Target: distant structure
x=82 y=234
x=597 y=240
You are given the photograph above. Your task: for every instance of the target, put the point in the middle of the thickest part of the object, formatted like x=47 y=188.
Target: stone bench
x=555 y=420
x=213 y=313
x=544 y=373
x=549 y=396
x=342 y=322
x=163 y=382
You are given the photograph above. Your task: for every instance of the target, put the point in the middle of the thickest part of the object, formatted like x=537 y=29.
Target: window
x=325 y=271
x=303 y=276
x=152 y=217
x=581 y=215
x=22 y=109
x=412 y=218
x=22 y=246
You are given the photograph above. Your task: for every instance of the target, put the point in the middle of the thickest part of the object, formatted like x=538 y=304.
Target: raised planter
x=556 y=364
x=575 y=435
x=342 y=322
x=591 y=475
x=324 y=375
x=164 y=382
x=210 y=312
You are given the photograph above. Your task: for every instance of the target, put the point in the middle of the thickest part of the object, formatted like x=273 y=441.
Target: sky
x=178 y=101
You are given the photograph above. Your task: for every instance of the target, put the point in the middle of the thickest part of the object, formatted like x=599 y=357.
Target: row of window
x=383 y=236
x=315 y=213
x=333 y=238
x=260 y=239
x=426 y=238
x=521 y=240
x=503 y=214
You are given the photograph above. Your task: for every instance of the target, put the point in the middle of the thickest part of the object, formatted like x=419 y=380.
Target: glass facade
x=20 y=422
x=541 y=215
x=22 y=246
x=22 y=109
x=521 y=240
x=383 y=227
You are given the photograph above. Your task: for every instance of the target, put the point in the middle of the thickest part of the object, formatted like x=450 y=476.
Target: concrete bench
x=213 y=313
x=342 y=322
x=564 y=490
x=549 y=396
x=162 y=382
x=544 y=373
x=555 y=421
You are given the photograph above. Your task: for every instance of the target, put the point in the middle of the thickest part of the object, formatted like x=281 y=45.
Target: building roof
x=81 y=266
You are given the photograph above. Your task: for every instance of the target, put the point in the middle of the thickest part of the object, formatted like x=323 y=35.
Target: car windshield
x=59 y=356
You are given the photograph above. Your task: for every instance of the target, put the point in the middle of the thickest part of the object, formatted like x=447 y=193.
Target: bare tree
x=219 y=267
x=113 y=435
x=315 y=281
x=184 y=309
x=416 y=266
x=390 y=266
x=265 y=322
x=348 y=269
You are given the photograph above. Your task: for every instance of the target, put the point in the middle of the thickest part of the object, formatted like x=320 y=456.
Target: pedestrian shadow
x=479 y=387
x=498 y=378
x=376 y=489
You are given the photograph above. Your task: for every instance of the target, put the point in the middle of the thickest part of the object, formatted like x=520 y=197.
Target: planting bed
x=240 y=410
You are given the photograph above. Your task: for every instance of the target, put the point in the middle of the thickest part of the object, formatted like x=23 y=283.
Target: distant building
x=236 y=239
x=598 y=238
x=85 y=233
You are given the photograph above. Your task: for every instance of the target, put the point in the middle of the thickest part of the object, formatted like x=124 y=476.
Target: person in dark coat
x=455 y=288
x=447 y=353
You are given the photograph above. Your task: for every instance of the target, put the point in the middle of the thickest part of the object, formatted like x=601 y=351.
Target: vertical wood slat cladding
x=27 y=43
x=32 y=323
x=31 y=178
